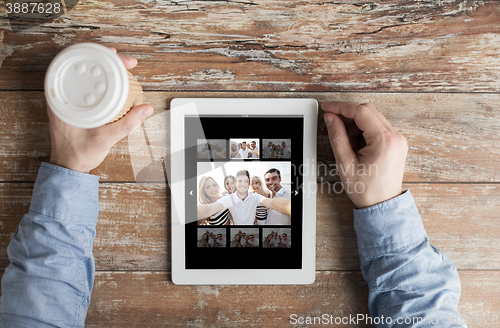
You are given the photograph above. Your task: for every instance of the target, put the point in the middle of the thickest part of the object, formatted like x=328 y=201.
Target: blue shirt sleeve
x=49 y=280
x=411 y=282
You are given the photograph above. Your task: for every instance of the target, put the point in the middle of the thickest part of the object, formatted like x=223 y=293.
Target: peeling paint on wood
x=125 y=299
x=396 y=45
x=437 y=60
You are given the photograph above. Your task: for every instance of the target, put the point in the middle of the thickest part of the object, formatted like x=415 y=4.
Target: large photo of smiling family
x=244 y=193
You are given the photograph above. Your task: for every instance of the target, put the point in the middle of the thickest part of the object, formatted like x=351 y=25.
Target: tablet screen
x=248 y=157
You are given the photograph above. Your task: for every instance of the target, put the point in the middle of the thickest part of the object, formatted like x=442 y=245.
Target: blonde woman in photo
x=235 y=148
x=261 y=211
x=208 y=193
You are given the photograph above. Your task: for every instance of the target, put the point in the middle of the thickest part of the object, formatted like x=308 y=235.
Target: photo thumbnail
x=211 y=148
x=211 y=237
x=276 y=238
x=244 y=193
x=244 y=148
x=277 y=148
x=245 y=237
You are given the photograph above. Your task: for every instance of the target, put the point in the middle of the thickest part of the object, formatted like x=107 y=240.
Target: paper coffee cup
x=87 y=85
x=135 y=97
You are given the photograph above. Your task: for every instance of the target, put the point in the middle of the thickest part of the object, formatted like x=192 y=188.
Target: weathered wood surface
x=149 y=299
x=409 y=58
x=133 y=231
x=432 y=46
x=452 y=137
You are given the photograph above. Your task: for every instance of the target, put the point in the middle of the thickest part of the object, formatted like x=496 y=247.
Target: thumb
x=120 y=129
x=344 y=155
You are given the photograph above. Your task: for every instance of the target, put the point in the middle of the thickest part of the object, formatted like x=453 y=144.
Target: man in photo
x=243 y=239
x=242 y=205
x=273 y=182
x=276 y=239
x=212 y=241
x=252 y=242
x=254 y=150
x=287 y=152
x=220 y=241
x=244 y=151
x=267 y=150
x=285 y=242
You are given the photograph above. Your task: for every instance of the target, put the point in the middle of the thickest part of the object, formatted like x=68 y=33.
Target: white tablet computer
x=243 y=190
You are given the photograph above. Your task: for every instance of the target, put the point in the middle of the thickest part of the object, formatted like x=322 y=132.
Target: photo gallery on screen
x=244 y=193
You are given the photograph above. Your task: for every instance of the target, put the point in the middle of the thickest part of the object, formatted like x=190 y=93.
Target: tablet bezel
x=182 y=107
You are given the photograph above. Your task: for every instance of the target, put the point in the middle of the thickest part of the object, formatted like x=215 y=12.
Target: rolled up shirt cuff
x=389 y=227
x=66 y=195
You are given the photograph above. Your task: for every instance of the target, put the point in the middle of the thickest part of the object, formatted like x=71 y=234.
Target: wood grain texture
x=429 y=66
x=460 y=220
x=397 y=45
x=133 y=231
x=478 y=296
x=149 y=299
x=452 y=137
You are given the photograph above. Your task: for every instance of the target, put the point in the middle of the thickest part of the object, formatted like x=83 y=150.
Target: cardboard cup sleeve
x=135 y=97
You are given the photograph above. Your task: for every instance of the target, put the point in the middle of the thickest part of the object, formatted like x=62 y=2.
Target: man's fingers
x=50 y=113
x=118 y=130
x=344 y=154
x=129 y=62
x=362 y=115
x=380 y=117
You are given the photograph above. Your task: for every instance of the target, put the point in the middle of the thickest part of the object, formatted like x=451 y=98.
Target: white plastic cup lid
x=86 y=85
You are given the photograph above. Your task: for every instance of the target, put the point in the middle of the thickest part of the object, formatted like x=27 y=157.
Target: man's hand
x=281 y=205
x=84 y=149
x=370 y=153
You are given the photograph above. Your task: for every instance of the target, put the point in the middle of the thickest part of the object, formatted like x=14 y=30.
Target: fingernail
x=133 y=59
x=328 y=120
x=147 y=112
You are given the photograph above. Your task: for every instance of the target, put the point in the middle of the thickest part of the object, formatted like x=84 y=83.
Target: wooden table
x=431 y=67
